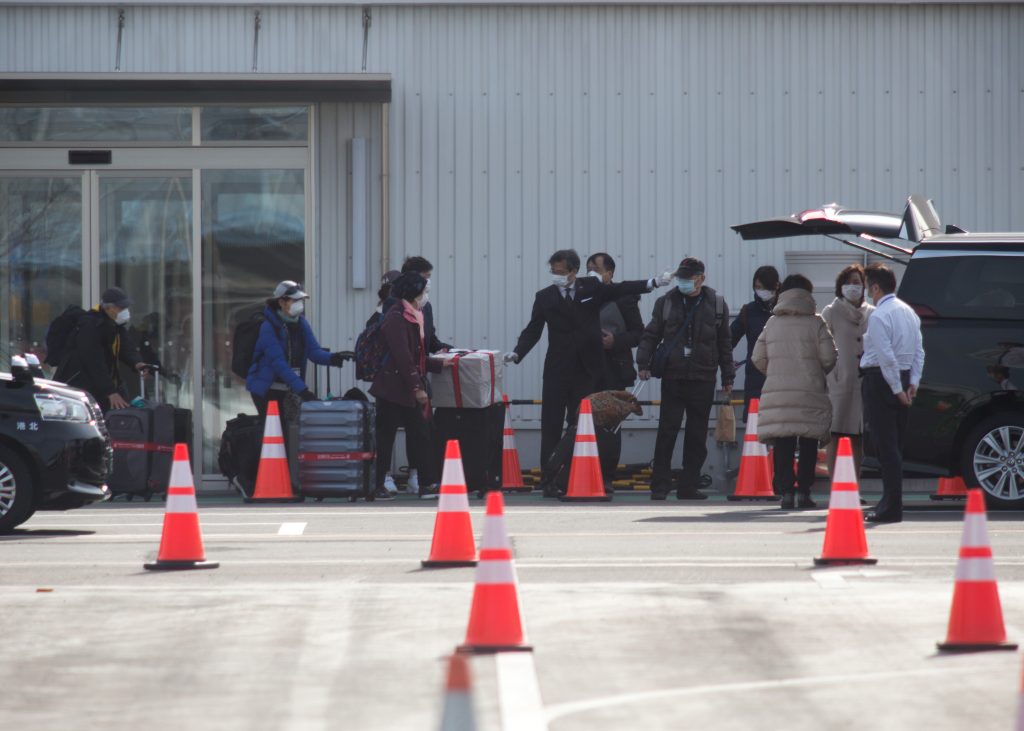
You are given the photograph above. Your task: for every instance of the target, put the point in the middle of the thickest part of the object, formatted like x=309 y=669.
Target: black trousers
x=419 y=441
x=886 y=419
x=562 y=392
x=785 y=449
x=262 y=403
x=679 y=399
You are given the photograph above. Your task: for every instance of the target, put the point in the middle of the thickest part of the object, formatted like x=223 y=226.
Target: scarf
x=415 y=316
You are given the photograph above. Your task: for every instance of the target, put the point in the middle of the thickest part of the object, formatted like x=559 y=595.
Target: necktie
x=568 y=293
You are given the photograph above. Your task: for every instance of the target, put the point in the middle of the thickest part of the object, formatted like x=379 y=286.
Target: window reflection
x=96 y=124
x=232 y=124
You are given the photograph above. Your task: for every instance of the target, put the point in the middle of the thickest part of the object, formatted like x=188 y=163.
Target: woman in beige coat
x=795 y=351
x=847 y=319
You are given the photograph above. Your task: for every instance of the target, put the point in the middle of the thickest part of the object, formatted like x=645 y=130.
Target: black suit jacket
x=574 y=327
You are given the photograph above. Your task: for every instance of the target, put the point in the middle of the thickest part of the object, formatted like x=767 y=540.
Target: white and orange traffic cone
x=458 y=714
x=586 y=483
x=511 y=471
x=1020 y=705
x=754 y=481
x=845 y=540
x=181 y=544
x=495 y=533
x=453 y=543
x=976 y=617
x=950 y=488
x=273 y=479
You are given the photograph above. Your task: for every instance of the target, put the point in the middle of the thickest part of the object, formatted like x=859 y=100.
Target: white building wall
x=642 y=131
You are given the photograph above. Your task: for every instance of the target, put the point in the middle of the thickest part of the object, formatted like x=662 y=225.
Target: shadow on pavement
x=19 y=534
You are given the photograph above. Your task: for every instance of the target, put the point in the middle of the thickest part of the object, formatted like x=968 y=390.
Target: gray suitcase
x=337 y=453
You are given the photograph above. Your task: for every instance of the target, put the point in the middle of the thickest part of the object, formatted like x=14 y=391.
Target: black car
x=54 y=450
x=968 y=290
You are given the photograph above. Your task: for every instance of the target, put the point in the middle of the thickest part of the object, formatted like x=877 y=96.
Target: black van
x=55 y=453
x=968 y=290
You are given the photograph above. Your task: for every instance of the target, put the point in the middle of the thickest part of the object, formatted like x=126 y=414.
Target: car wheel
x=15 y=491
x=993 y=459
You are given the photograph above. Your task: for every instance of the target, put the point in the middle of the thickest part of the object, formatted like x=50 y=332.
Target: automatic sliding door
x=254 y=231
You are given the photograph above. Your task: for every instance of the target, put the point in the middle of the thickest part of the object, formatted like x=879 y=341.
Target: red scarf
x=415 y=316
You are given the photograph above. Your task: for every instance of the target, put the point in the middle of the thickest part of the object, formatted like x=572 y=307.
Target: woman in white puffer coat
x=795 y=352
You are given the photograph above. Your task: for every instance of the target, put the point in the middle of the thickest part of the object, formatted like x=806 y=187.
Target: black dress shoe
x=690 y=495
x=876 y=518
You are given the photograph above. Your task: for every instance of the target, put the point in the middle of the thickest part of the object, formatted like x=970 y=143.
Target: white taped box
x=473 y=380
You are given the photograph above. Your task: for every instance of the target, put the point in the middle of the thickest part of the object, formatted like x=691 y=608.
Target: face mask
x=764 y=294
x=595 y=275
x=560 y=280
x=427 y=288
x=296 y=308
x=123 y=317
x=686 y=286
x=421 y=301
x=853 y=292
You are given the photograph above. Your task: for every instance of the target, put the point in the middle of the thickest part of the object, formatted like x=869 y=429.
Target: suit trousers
x=562 y=392
x=419 y=442
x=679 y=399
x=886 y=419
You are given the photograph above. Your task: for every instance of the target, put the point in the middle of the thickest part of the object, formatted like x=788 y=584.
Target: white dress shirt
x=893 y=342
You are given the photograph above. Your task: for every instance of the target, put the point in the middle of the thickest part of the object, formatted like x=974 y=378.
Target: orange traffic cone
x=950 y=488
x=511 y=472
x=976 y=618
x=754 y=481
x=181 y=545
x=494 y=622
x=458 y=697
x=453 y=543
x=273 y=480
x=845 y=540
x=586 y=484
x=1020 y=706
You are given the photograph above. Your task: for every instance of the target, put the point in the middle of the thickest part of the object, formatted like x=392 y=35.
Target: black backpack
x=60 y=333
x=239 y=455
x=247 y=332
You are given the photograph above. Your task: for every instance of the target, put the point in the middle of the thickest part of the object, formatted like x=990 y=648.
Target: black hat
x=691 y=266
x=117 y=297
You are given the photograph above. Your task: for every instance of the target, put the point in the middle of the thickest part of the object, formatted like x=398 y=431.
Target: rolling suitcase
x=337 y=449
x=479 y=433
x=143 y=442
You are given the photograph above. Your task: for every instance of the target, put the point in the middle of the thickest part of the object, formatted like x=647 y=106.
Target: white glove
x=511 y=358
x=665 y=279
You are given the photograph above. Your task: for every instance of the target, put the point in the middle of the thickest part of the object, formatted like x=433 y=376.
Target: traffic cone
x=494 y=622
x=453 y=543
x=1020 y=705
x=845 y=540
x=458 y=697
x=950 y=488
x=754 y=481
x=181 y=545
x=976 y=618
x=511 y=472
x=586 y=483
x=273 y=479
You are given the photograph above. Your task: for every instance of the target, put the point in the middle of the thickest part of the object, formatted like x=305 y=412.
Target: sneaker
x=381 y=493
x=413 y=485
x=429 y=492
x=389 y=484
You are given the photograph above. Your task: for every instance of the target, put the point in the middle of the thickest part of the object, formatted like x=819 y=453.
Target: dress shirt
x=893 y=342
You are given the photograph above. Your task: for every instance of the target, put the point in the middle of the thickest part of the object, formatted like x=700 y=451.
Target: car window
x=967 y=286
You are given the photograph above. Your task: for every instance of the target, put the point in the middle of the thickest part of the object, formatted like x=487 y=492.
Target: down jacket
x=795 y=351
x=270 y=358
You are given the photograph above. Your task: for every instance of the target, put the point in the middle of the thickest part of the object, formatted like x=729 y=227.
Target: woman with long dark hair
x=749 y=324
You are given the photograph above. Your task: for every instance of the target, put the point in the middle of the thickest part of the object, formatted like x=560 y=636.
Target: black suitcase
x=239 y=455
x=143 y=443
x=555 y=474
x=337 y=451
x=479 y=433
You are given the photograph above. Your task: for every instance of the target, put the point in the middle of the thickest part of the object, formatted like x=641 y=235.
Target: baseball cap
x=690 y=267
x=117 y=297
x=291 y=290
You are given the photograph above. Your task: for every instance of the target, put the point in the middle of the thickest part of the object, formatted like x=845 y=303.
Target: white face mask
x=560 y=280
x=853 y=292
x=427 y=288
x=123 y=317
x=296 y=308
x=595 y=275
x=764 y=294
x=421 y=301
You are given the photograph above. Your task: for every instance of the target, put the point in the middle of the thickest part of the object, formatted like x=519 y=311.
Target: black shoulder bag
x=660 y=360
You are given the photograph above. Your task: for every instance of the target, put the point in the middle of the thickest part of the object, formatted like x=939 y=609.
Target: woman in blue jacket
x=285 y=343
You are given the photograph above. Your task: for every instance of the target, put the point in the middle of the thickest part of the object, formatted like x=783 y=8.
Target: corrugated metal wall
x=642 y=131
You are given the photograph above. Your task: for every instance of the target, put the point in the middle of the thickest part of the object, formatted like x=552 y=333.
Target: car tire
x=993 y=459
x=15 y=491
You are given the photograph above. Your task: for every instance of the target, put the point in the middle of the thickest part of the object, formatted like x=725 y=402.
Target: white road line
x=519 y=693
x=291 y=529
x=567 y=709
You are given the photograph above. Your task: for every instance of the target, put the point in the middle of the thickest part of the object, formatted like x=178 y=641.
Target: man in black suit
x=574 y=366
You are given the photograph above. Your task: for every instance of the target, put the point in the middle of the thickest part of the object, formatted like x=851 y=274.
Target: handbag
x=725 y=425
x=661 y=356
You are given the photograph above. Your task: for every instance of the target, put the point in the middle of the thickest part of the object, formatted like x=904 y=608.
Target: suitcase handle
x=155 y=368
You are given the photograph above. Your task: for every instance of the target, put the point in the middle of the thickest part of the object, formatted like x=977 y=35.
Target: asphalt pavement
x=674 y=615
